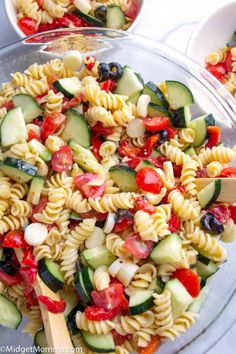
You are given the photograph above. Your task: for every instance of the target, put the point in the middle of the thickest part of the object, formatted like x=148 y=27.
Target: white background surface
x=171 y=22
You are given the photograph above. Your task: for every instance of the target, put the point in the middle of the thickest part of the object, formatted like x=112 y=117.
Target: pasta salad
x=36 y=16
x=98 y=187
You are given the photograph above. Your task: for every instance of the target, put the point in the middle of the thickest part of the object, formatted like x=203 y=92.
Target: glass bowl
x=157 y=63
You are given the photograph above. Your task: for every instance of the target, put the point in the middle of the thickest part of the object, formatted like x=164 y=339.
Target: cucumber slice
x=189 y=151
x=10 y=316
x=35 y=190
x=155 y=94
x=199 y=125
x=155 y=110
x=180 y=298
x=97 y=256
x=36 y=146
x=129 y=84
x=75 y=216
x=209 y=194
x=144 y=163
x=40 y=340
x=115 y=17
x=80 y=287
x=99 y=343
x=76 y=128
x=140 y=301
x=203 y=259
x=134 y=99
x=29 y=106
x=71 y=300
x=199 y=301
x=51 y=274
x=18 y=170
x=124 y=177
x=182 y=117
x=13 y=128
x=93 y=21
x=208 y=270
x=178 y=94
x=167 y=250
x=71 y=322
x=157 y=285
x=88 y=279
x=68 y=86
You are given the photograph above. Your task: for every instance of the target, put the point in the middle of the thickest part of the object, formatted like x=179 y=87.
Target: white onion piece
x=97 y=238
x=115 y=267
x=72 y=60
x=35 y=234
x=110 y=223
x=142 y=105
x=135 y=128
x=83 y=5
x=127 y=272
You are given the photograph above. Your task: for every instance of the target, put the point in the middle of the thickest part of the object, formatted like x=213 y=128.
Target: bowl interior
x=157 y=63
x=212 y=33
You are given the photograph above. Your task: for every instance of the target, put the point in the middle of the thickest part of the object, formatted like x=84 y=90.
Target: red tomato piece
x=51 y=124
x=77 y=21
x=63 y=22
x=15 y=239
x=177 y=170
x=122 y=223
x=94 y=214
x=28 y=25
x=28 y=276
x=96 y=313
x=108 y=85
x=108 y=298
x=126 y=149
x=142 y=204
x=9 y=280
x=124 y=306
x=89 y=191
x=8 y=105
x=71 y=103
x=222 y=213
x=152 y=346
x=38 y=208
x=156 y=124
x=118 y=338
x=232 y=210
x=133 y=163
x=217 y=70
x=149 y=145
x=31 y=299
x=172 y=132
x=132 y=10
x=91 y=62
x=228 y=172
x=28 y=259
x=46 y=27
x=33 y=135
x=96 y=144
x=40 y=3
x=99 y=130
x=174 y=223
x=52 y=305
x=214 y=135
x=189 y=279
x=149 y=180
x=37 y=122
x=228 y=62
x=136 y=246
x=62 y=160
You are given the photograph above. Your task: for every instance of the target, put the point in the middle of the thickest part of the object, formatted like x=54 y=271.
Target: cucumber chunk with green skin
x=189 y=151
x=71 y=300
x=13 y=128
x=209 y=194
x=97 y=256
x=88 y=279
x=71 y=318
x=51 y=274
x=199 y=125
x=167 y=250
x=18 y=170
x=76 y=128
x=134 y=99
x=181 y=117
x=206 y=271
x=80 y=288
x=129 y=84
x=115 y=17
x=180 y=298
x=199 y=301
x=30 y=107
x=35 y=190
x=140 y=301
x=10 y=316
x=99 y=343
x=36 y=146
x=75 y=216
x=155 y=94
x=178 y=94
x=157 y=285
x=144 y=163
x=69 y=86
x=40 y=340
x=93 y=21
x=125 y=177
x=158 y=111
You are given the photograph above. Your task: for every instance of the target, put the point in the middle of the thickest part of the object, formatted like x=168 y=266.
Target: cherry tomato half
x=222 y=213
x=232 y=209
x=228 y=172
x=174 y=223
x=132 y=10
x=152 y=346
x=51 y=124
x=15 y=239
x=28 y=25
x=108 y=298
x=96 y=313
x=89 y=191
x=149 y=180
x=189 y=279
x=136 y=246
x=217 y=70
x=126 y=149
x=214 y=135
x=156 y=124
x=142 y=204
x=33 y=135
x=62 y=160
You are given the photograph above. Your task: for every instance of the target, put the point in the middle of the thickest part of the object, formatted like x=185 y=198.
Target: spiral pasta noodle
x=184 y=208
x=11 y=223
x=143 y=278
x=160 y=218
x=188 y=175
x=54 y=9
x=116 y=245
x=131 y=324
x=145 y=226
x=54 y=143
x=181 y=325
x=98 y=327
x=112 y=202
x=173 y=153
x=5 y=187
x=101 y=278
x=3 y=207
x=214 y=169
x=163 y=311
x=54 y=102
x=220 y=154
x=144 y=336
x=76 y=202
x=21 y=208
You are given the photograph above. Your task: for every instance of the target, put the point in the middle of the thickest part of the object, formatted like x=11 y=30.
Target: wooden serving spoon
x=227 y=188
x=56 y=331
